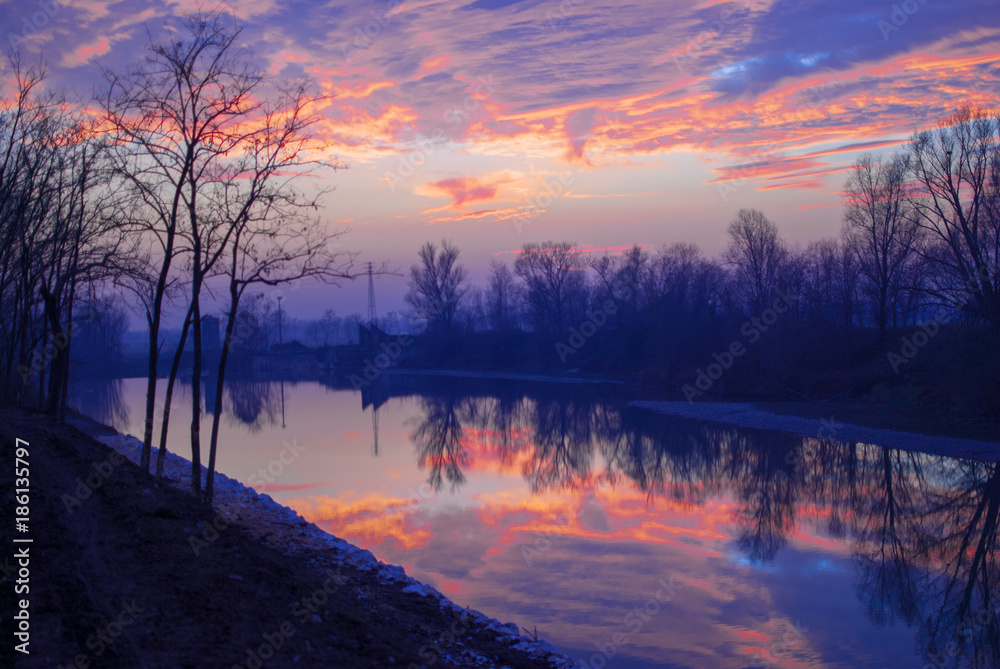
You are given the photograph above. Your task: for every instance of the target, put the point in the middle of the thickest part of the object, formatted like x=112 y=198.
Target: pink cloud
x=461 y=190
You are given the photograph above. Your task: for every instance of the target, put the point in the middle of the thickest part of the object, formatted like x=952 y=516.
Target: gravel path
x=747 y=415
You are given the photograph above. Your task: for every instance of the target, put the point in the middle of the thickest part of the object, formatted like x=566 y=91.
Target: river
x=627 y=538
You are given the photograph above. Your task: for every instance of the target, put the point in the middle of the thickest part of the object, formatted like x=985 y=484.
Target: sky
x=495 y=123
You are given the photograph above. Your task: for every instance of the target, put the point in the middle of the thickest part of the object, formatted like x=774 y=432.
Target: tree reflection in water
x=253 y=403
x=102 y=400
x=438 y=438
x=922 y=528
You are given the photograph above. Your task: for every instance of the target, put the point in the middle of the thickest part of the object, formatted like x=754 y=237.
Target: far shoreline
x=903 y=427
x=753 y=416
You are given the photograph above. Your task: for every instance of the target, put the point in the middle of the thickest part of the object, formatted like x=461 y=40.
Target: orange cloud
x=462 y=190
x=433 y=65
x=368 y=521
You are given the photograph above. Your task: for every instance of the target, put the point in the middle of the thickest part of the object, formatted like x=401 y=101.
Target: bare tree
x=880 y=229
x=502 y=298
x=550 y=273
x=831 y=284
x=178 y=119
x=956 y=169
x=324 y=330
x=756 y=253
x=437 y=286
x=269 y=240
x=59 y=232
x=147 y=118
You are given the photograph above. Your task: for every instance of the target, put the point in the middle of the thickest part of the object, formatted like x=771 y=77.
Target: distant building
x=371 y=336
x=290 y=357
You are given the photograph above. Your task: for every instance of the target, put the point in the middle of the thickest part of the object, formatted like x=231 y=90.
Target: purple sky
x=651 y=122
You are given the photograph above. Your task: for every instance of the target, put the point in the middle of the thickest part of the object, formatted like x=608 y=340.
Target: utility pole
x=371 y=298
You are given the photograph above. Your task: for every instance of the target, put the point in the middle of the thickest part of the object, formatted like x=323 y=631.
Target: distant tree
x=437 y=286
x=472 y=315
x=831 y=284
x=622 y=278
x=880 y=229
x=100 y=340
x=350 y=328
x=956 y=170
x=325 y=330
x=392 y=323
x=550 y=272
x=502 y=298
x=756 y=253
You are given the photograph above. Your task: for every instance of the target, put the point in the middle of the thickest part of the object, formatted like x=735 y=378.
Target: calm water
x=627 y=538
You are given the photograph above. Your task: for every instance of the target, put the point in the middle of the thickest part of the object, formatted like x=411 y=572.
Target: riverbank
x=132 y=571
x=510 y=376
x=829 y=426
x=871 y=414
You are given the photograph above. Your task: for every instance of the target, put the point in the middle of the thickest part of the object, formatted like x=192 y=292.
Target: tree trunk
x=147 y=435
x=196 y=396
x=216 y=417
x=168 y=396
x=58 y=339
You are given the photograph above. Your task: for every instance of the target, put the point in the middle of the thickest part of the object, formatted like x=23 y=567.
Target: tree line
x=919 y=246
x=180 y=184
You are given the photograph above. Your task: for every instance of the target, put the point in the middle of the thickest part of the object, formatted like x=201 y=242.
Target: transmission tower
x=372 y=317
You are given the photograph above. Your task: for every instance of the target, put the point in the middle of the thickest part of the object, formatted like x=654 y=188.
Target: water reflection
x=438 y=440
x=921 y=530
x=101 y=399
x=253 y=403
